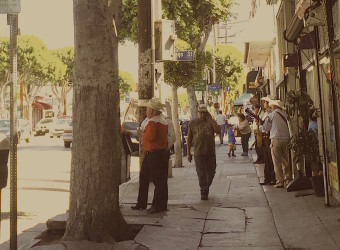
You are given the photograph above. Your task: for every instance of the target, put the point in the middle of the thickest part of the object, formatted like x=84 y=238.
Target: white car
x=58 y=127
x=43 y=126
x=68 y=135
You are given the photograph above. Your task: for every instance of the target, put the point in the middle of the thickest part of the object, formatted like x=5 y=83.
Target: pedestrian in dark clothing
x=202 y=132
x=269 y=174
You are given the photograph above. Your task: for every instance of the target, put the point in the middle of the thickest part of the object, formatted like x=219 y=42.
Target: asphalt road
x=43 y=183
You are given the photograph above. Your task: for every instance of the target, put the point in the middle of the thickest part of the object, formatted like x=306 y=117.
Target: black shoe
x=265 y=183
x=204 y=197
x=138 y=207
x=153 y=210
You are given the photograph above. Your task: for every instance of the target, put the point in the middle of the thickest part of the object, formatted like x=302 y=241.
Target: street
x=43 y=183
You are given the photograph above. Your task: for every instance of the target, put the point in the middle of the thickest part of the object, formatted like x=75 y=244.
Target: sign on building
x=10 y=6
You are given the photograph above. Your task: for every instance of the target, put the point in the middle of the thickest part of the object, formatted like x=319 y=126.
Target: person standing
x=245 y=131
x=231 y=140
x=277 y=125
x=155 y=147
x=269 y=174
x=220 y=120
x=4 y=152
x=202 y=132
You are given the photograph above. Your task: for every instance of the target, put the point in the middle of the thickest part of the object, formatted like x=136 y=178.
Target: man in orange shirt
x=155 y=147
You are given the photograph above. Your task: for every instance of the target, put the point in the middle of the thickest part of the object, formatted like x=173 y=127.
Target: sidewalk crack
x=202 y=233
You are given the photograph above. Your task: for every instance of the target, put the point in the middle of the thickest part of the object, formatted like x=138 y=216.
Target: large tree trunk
x=94 y=212
x=193 y=104
x=2 y=101
x=175 y=121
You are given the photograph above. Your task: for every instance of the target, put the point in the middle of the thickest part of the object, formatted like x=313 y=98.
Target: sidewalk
x=240 y=214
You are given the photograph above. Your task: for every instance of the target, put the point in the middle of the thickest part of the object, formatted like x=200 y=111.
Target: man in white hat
x=202 y=132
x=269 y=174
x=4 y=151
x=155 y=147
x=277 y=125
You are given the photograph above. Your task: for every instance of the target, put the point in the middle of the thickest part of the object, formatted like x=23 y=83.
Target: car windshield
x=62 y=122
x=46 y=121
x=5 y=123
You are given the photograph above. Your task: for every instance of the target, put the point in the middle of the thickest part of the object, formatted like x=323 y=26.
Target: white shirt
x=220 y=119
x=276 y=125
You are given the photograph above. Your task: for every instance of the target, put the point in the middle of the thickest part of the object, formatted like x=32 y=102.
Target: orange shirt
x=155 y=136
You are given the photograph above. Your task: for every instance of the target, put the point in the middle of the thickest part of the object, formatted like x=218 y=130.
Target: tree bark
x=193 y=104
x=175 y=121
x=94 y=212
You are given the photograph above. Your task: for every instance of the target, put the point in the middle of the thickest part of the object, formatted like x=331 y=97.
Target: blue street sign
x=185 y=55
x=227 y=88
x=212 y=88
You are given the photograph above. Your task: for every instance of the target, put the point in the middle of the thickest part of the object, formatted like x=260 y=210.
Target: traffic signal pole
x=13 y=22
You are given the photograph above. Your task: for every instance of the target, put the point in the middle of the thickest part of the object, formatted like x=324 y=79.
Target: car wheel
x=58 y=136
x=27 y=140
x=51 y=136
x=67 y=144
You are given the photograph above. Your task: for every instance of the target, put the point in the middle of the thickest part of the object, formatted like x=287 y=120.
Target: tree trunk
x=192 y=102
x=94 y=212
x=30 y=113
x=175 y=121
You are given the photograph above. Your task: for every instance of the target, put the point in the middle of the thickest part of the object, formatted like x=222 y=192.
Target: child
x=231 y=140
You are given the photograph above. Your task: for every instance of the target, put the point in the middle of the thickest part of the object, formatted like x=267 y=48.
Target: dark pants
x=245 y=142
x=222 y=133
x=3 y=168
x=269 y=174
x=259 y=151
x=155 y=164
x=206 y=169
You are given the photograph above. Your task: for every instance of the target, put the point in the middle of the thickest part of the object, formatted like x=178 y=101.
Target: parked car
x=131 y=128
x=5 y=127
x=24 y=130
x=58 y=127
x=43 y=126
x=68 y=135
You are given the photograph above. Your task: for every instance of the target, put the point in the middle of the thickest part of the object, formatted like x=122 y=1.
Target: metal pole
x=13 y=132
x=214 y=67
x=325 y=158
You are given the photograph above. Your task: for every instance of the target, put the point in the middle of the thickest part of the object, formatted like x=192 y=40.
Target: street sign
x=10 y=6
x=201 y=85
x=213 y=88
x=184 y=55
x=227 y=88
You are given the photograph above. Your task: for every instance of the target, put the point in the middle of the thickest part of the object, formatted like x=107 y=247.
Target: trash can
x=4 y=152
x=127 y=149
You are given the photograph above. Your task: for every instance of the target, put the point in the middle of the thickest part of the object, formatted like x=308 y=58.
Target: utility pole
x=214 y=69
x=145 y=54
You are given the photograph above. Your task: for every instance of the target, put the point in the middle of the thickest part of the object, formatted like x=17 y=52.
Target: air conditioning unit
x=165 y=40
x=315 y=17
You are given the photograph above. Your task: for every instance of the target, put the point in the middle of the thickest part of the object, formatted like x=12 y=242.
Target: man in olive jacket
x=202 y=132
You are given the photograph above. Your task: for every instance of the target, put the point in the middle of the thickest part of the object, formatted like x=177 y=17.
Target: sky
x=52 y=21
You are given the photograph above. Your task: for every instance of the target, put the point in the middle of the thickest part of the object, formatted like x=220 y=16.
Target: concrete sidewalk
x=240 y=214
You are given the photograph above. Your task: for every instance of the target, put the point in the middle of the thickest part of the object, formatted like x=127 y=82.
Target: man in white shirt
x=277 y=125
x=220 y=120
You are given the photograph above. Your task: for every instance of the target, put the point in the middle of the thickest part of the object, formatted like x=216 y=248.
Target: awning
x=296 y=24
x=245 y=97
x=251 y=81
x=41 y=105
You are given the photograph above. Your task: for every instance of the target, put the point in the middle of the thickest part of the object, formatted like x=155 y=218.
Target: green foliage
x=183 y=100
x=126 y=84
x=229 y=69
x=298 y=103
x=128 y=23
x=185 y=73
x=304 y=143
x=66 y=56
